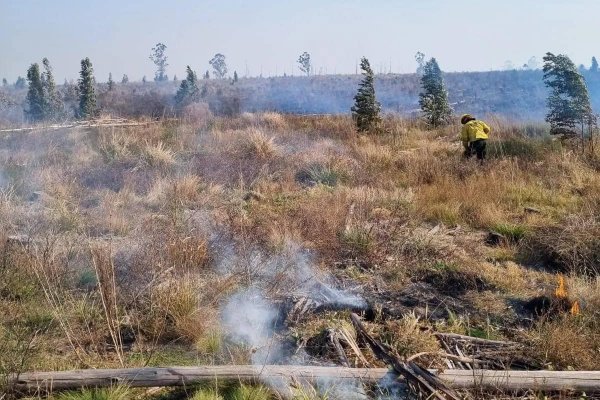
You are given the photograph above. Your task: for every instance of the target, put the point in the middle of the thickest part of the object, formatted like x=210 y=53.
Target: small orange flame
x=561 y=290
x=575 y=309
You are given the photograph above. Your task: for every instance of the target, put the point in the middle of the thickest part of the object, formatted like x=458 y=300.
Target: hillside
x=250 y=239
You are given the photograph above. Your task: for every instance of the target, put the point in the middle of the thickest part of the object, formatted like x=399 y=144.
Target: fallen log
x=508 y=381
x=84 y=124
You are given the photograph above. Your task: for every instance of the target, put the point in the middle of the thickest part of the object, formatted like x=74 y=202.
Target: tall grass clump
x=257 y=144
x=320 y=174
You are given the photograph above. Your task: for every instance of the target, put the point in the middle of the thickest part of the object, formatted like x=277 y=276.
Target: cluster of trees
x=569 y=107
x=433 y=99
x=42 y=97
x=44 y=101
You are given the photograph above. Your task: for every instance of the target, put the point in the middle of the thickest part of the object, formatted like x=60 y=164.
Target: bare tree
x=304 y=63
x=219 y=65
x=159 y=59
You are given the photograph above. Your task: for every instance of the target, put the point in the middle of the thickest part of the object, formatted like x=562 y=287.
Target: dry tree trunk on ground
x=507 y=381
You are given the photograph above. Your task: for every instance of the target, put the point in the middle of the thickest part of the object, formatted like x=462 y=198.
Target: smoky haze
x=267 y=36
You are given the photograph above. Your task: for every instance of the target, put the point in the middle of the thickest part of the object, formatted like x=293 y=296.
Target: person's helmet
x=466 y=118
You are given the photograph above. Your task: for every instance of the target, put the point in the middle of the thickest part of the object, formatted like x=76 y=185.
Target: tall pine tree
x=87 y=94
x=35 y=94
x=366 y=108
x=569 y=101
x=188 y=89
x=111 y=83
x=434 y=97
x=53 y=105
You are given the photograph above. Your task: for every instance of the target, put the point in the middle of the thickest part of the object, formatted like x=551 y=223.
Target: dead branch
x=419 y=378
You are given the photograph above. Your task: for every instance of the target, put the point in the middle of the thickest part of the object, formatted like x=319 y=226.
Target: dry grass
x=257 y=144
x=567 y=343
x=162 y=207
x=157 y=155
x=406 y=337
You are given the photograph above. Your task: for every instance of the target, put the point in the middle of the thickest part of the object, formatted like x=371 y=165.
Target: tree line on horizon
x=568 y=103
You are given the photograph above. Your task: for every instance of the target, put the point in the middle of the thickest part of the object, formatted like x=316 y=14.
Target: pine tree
x=365 y=111
x=594 y=66
x=174 y=78
x=434 y=97
x=144 y=79
x=125 y=79
x=87 y=94
x=235 y=76
x=207 y=75
x=53 y=105
x=569 y=100
x=159 y=59
x=111 y=83
x=4 y=82
x=35 y=94
x=188 y=89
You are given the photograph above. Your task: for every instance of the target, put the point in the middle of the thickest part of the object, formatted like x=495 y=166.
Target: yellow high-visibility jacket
x=474 y=130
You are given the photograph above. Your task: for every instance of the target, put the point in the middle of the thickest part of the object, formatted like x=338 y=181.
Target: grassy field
x=129 y=246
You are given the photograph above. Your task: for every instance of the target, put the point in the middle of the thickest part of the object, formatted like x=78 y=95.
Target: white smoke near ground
x=249 y=319
x=391 y=388
x=251 y=316
x=289 y=272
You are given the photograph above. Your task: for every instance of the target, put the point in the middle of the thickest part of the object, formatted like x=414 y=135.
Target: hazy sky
x=461 y=34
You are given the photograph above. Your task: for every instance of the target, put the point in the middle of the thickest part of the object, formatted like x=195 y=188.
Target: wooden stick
x=474 y=339
x=462 y=359
x=28 y=382
x=421 y=379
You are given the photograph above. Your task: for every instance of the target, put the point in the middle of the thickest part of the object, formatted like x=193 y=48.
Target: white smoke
x=249 y=319
x=252 y=316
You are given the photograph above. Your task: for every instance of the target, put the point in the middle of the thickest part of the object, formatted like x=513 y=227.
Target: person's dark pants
x=478 y=148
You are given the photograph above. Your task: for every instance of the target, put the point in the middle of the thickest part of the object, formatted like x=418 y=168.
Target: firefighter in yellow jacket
x=474 y=135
